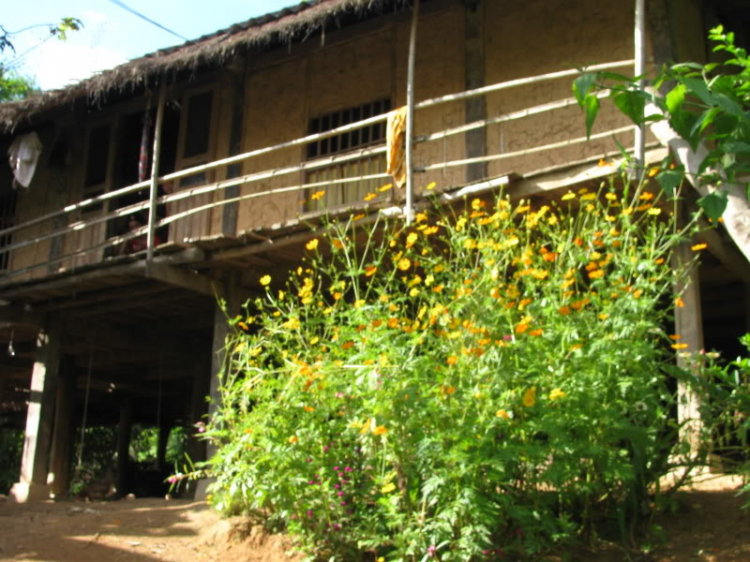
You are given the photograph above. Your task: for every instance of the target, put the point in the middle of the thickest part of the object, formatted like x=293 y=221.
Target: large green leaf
x=669 y=180
x=714 y=204
x=675 y=98
x=591 y=108
x=581 y=87
x=631 y=103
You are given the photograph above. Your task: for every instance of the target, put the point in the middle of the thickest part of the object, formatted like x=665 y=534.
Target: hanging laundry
x=396 y=146
x=143 y=172
x=23 y=156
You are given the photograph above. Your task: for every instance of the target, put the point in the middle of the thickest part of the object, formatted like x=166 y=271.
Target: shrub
x=486 y=383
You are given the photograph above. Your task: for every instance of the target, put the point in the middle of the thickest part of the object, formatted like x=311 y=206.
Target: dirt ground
x=708 y=527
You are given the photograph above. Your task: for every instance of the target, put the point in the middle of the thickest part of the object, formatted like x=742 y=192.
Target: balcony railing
x=319 y=174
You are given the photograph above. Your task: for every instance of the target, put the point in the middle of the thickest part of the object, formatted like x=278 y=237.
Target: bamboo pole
x=524 y=152
x=639 y=148
x=409 y=211
x=155 y=174
x=535 y=110
x=520 y=82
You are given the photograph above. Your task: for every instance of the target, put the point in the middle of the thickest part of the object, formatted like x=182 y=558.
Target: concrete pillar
x=475 y=108
x=689 y=325
x=124 y=429
x=40 y=415
x=62 y=439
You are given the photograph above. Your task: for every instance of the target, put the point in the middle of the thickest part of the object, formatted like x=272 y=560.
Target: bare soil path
x=709 y=526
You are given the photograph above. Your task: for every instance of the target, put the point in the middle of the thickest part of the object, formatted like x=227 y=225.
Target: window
x=342 y=194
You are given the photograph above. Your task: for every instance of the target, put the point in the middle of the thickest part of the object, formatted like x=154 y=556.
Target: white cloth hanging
x=23 y=155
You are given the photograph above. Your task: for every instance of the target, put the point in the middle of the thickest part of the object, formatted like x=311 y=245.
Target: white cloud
x=59 y=64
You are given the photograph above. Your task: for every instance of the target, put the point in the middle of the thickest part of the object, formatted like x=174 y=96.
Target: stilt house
x=185 y=175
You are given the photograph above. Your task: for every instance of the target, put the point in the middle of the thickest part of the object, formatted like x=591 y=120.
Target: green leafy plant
x=486 y=383
x=708 y=103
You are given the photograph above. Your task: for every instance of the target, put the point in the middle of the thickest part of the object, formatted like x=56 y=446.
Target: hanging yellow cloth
x=396 y=145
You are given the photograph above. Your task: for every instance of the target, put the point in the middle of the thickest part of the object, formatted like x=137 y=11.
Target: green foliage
x=703 y=103
x=13 y=85
x=478 y=385
x=97 y=456
x=145 y=442
x=11 y=447
x=724 y=393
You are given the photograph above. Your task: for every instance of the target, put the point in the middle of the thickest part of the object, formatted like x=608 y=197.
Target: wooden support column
x=218 y=357
x=475 y=108
x=40 y=415
x=198 y=409
x=689 y=325
x=124 y=429
x=62 y=440
x=229 y=214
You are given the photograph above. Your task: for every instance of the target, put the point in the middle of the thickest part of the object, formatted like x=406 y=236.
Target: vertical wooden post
x=410 y=115
x=218 y=358
x=152 y=218
x=475 y=109
x=124 y=429
x=236 y=133
x=40 y=415
x=639 y=150
x=689 y=325
x=62 y=440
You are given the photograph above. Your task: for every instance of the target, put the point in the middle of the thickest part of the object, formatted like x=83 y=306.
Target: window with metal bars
x=337 y=194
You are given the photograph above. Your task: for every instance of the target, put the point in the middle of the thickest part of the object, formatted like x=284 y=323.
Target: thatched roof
x=285 y=26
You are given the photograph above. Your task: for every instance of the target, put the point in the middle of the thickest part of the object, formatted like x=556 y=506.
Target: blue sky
x=111 y=35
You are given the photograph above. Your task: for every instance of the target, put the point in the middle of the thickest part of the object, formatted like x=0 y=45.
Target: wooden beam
x=185 y=279
x=18 y=314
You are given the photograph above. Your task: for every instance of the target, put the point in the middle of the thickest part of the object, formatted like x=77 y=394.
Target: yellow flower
x=529 y=397
x=385 y=187
x=452 y=360
x=317 y=195
x=411 y=239
x=556 y=393
x=502 y=414
x=357 y=217
x=675 y=337
x=654 y=211
x=414 y=292
x=292 y=324
x=265 y=280
x=312 y=244
x=430 y=186
x=652 y=172
x=380 y=430
x=293 y=439
x=521 y=328
x=679 y=303
x=388 y=488
x=568 y=196
x=611 y=196
x=370 y=270
x=370 y=196
x=404 y=264
x=679 y=346
x=698 y=247
x=596 y=274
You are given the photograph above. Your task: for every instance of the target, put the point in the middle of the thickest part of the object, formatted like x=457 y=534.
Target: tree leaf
x=581 y=87
x=669 y=180
x=632 y=104
x=736 y=147
x=591 y=108
x=675 y=98
x=714 y=204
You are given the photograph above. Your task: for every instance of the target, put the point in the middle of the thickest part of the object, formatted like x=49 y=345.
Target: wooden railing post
x=152 y=218
x=409 y=211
